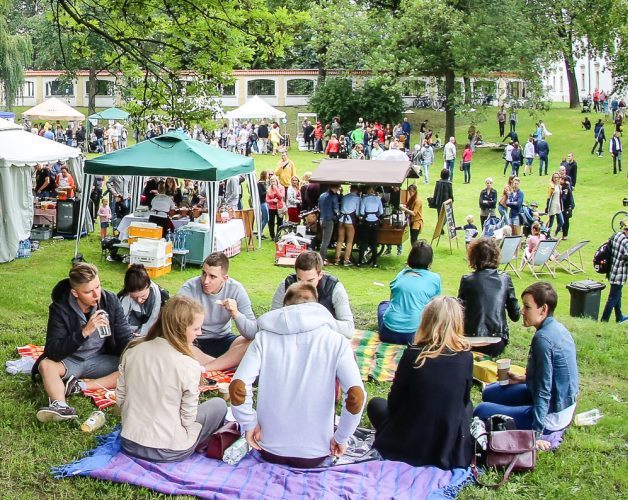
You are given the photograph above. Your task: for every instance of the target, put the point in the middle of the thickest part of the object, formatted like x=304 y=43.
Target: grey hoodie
x=298 y=356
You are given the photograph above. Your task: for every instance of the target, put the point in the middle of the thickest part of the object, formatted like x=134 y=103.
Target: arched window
x=299 y=87
x=261 y=87
x=59 y=88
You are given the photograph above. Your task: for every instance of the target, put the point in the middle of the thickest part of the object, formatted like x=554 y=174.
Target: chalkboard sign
x=446 y=216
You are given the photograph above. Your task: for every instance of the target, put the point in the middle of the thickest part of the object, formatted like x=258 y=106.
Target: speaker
x=68 y=217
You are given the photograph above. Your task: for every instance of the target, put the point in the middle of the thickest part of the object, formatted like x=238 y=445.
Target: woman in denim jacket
x=545 y=398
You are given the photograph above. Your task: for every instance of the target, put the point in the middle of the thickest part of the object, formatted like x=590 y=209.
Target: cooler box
x=585 y=298
x=198 y=243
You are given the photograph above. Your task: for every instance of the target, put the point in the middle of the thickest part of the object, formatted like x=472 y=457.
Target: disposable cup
x=503 y=366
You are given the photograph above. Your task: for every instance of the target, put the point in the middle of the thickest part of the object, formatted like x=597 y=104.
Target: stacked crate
x=148 y=248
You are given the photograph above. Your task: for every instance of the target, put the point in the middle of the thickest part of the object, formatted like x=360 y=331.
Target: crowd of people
x=134 y=341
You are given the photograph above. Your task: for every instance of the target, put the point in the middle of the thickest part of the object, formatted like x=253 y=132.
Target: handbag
x=219 y=441
x=430 y=202
x=514 y=450
x=461 y=165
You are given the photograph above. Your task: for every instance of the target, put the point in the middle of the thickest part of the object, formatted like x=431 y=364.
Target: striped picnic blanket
x=104 y=398
x=376 y=359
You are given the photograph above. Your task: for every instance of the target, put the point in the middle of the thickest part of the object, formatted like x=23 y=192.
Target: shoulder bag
x=219 y=441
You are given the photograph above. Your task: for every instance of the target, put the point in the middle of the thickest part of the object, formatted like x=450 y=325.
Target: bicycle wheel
x=284 y=229
x=617 y=218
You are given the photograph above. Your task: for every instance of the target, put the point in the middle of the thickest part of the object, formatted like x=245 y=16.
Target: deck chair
x=509 y=248
x=540 y=258
x=565 y=261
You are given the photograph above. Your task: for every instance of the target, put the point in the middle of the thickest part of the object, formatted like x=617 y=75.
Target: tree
x=457 y=39
x=15 y=54
x=160 y=45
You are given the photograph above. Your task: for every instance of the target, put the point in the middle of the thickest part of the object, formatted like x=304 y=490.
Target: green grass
x=588 y=465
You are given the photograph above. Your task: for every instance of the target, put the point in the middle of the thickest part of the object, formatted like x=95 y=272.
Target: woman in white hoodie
x=298 y=355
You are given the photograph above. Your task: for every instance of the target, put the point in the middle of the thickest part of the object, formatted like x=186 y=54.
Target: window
x=261 y=87
x=227 y=90
x=28 y=89
x=103 y=87
x=300 y=87
x=562 y=83
x=59 y=88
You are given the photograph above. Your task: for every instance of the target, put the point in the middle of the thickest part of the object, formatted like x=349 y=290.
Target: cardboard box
x=289 y=250
x=137 y=231
x=151 y=262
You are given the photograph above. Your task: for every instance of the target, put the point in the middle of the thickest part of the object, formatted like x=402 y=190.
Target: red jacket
x=333 y=146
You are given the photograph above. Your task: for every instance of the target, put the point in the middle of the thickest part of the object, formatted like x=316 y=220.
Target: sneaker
x=347 y=263
x=72 y=386
x=56 y=412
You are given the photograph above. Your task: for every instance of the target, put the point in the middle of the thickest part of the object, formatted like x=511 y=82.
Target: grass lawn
x=588 y=464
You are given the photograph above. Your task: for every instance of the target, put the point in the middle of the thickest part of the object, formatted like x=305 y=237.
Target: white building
x=591 y=74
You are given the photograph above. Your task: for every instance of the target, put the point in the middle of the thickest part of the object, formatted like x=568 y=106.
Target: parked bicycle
x=620 y=215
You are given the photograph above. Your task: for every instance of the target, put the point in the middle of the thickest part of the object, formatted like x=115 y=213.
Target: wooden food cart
x=369 y=173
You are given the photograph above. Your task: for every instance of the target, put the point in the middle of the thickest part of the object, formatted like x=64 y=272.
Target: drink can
x=95 y=421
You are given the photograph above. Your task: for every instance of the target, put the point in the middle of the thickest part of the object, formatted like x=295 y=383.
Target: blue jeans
x=426 y=172
x=264 y=209
x=466 y=167
x=543 y=160
x=503 y=212
x=613 y=302
x=559 y=222
x=513 y=400
x=449 y=165
x=387 y=335
x=515 y=168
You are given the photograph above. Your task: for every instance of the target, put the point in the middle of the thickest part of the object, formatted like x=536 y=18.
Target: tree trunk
x=322 y=74
x=572 y=82
x=450 y=109
x=467 y=90
x=91 y=91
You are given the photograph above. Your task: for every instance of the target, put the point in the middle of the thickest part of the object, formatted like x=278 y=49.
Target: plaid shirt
x=619 y=259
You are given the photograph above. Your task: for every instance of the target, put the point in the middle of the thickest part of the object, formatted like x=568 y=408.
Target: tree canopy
x=15 y=54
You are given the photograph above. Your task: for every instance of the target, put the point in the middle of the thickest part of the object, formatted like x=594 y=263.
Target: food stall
x=372 y=173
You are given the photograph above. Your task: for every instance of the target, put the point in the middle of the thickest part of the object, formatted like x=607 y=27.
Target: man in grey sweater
x=224 y=299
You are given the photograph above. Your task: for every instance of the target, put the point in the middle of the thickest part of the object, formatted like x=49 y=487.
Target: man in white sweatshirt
x=298 y=355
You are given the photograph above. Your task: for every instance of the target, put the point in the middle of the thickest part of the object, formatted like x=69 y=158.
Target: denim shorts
x=96 y=367
x=515 y=221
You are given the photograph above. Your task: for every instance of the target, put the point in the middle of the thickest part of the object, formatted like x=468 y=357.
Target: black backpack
x=602 y=257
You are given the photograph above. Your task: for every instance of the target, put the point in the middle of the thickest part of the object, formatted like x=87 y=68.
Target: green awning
x=110 y=114
x=172 y=155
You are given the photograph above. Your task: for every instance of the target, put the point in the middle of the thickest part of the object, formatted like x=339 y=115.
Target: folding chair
x=541 y=256
x=509 y=248
x=564 y=259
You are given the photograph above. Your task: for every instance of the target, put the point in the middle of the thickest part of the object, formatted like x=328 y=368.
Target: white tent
x=255 y=107
x=19 y=151
x=53 y=109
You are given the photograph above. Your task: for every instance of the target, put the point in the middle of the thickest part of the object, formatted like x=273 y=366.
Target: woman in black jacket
x=488 y=201
x=443 y=191
x=427 y=416
x=487 y=294
x=568 y=203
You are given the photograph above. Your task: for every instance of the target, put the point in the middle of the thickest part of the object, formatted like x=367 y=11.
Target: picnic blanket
x=376 y=359
x=254 y=478
x=104 y=398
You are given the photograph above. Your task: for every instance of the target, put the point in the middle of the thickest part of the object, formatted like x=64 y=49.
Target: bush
x=377 y=99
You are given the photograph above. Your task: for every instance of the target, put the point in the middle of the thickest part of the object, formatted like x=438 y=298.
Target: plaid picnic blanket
x=253 y=477
x=376 y=359
x=104 y=398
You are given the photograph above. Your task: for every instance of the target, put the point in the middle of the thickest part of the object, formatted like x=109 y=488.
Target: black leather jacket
x=486 y=296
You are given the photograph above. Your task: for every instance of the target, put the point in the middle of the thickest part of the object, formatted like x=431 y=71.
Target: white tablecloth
x=123 y=227
x=228 y=234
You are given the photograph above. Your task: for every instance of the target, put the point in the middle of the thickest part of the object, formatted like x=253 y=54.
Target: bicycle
x=620 y=215
x=308 y=218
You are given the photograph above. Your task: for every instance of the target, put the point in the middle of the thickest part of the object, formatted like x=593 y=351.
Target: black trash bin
x=585 y=298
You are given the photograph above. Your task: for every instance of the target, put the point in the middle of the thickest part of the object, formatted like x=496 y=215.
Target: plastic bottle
x=95 y=421
x=27 y=249
x=169 y=235
x=588 y=417
x=236 y=452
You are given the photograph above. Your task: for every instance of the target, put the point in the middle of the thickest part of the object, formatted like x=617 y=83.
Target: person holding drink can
x=87 y=331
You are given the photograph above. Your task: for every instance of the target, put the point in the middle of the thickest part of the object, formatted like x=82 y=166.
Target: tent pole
x=211 y=212
x=257 y=209
x=81 y=222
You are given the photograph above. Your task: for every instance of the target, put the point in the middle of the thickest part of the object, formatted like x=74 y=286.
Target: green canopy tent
x=175 y=155
x=110 y=114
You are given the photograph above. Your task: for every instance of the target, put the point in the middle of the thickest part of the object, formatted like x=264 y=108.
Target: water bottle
x=588 y=417
x=169 y=235
x=95 y=421
x=20 y=250
x=236 y=452
x=27 y=249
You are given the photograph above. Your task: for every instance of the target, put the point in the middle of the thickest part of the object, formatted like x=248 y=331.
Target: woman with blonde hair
x=158 y=388
x=293 y=200
x=427 y=416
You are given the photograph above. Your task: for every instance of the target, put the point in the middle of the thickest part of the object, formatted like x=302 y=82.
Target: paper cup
x=223 y=388
x=503 y=367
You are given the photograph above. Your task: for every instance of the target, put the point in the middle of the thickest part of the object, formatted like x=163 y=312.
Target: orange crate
x=156 y=272
x=154 y=233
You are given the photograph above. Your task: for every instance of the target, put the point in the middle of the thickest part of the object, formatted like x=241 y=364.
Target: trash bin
x=585 y=298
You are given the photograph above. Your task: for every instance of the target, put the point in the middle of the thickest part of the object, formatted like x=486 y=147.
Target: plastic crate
x=156 y=272
x=155 y=233
x=41 y=233
x=151 y=262
x=151 y=248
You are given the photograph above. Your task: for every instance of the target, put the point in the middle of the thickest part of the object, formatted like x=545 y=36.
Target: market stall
x=373 y=173
x=19 y=152
x=176 y=155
